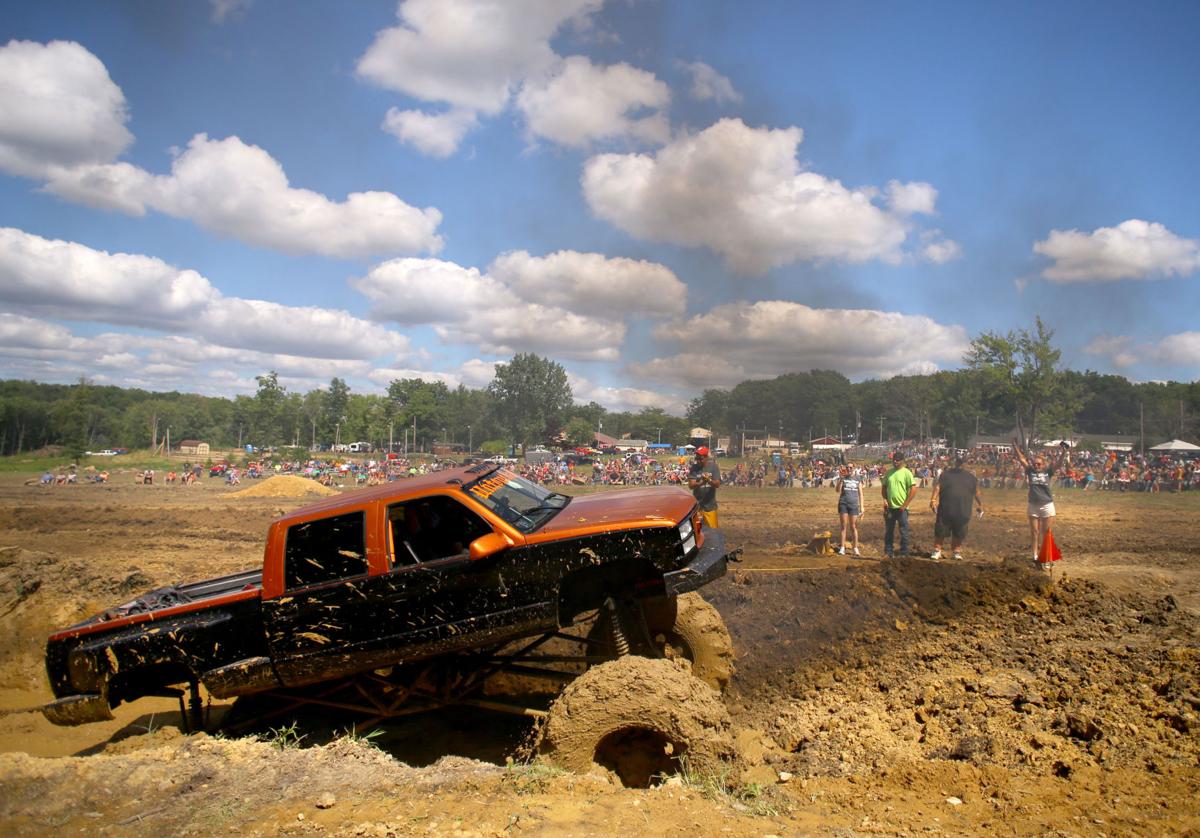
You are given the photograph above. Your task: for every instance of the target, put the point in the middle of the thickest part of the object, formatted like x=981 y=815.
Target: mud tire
x=637 y=717
x=679 y=628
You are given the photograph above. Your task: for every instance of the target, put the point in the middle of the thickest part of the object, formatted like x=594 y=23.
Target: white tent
x=1176 y=445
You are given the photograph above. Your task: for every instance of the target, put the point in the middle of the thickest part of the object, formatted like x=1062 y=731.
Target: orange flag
x=1049 y=551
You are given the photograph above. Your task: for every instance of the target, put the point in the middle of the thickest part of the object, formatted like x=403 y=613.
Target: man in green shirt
x=898 y=488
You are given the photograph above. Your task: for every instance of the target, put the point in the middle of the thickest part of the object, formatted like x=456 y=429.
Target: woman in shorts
x=1038 y=472
x=850 y=504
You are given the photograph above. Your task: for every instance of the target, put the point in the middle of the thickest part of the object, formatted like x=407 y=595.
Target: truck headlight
x=685 y=529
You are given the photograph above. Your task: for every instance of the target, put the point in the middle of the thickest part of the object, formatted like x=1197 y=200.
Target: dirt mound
x=985 y=664
x=285 y=486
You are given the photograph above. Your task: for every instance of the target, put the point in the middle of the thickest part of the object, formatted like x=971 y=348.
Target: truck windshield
x=520 y=502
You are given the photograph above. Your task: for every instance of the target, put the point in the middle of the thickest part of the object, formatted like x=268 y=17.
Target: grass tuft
x=719 y=786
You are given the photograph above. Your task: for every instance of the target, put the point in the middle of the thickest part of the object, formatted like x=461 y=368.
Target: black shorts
x=955 y=528
x=847 y=508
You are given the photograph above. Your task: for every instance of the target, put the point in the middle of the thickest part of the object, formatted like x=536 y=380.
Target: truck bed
x=172 y=595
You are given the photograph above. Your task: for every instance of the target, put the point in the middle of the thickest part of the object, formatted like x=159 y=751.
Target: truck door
x=324 y=624
x=461 y=602
x=334 y=619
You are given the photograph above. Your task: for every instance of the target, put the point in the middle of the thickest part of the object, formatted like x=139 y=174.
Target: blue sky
x=662 y=196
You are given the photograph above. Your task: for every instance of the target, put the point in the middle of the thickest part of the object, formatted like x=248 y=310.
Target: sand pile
x=285 y=486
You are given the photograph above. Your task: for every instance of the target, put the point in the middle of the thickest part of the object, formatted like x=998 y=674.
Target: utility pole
x=470 y=440
x=1142 y=427
x=881 y=429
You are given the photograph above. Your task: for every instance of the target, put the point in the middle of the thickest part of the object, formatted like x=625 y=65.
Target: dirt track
x=901 y=697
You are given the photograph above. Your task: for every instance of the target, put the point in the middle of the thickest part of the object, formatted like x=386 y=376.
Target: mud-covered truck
x=401 y=590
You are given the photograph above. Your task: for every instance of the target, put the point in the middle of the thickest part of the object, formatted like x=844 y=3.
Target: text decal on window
x=485 y=488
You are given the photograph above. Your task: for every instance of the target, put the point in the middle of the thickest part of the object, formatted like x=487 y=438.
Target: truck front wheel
x=642 y=719
x=679 y=628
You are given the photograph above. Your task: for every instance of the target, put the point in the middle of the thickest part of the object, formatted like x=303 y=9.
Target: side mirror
x=488 y=545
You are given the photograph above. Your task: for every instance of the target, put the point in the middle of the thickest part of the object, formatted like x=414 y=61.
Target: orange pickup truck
x=443 y=570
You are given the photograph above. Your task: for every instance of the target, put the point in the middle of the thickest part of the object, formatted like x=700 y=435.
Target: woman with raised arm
x=1038 y=472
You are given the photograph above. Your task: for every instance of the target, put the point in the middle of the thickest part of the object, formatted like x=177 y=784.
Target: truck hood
x=619 y=509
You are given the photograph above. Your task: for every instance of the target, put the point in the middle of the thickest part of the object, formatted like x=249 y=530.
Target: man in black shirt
x=951 y=501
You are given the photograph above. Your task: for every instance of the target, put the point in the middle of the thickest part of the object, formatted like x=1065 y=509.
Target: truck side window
x=325 y=550
x=432 y=528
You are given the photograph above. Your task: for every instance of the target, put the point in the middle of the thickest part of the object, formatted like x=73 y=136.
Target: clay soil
x=871 y=697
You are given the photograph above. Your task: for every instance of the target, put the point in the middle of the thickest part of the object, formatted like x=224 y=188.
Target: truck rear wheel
x=678 y=628
x=641 y=718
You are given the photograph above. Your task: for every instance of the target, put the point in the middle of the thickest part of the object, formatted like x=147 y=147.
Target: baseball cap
x=898 y=457
x=702 y=451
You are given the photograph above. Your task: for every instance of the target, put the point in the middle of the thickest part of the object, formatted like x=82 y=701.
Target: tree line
x=528 y=401
x=1009 y=381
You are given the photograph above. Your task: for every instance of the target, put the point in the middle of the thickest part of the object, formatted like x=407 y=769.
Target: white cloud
x=436 y=135
x=58 y=108
x=383 y=376
x=937 y=249
x=305 y=331
x=66 y=279
x=1118 y=349
x=478 y=373
x=529 y=327
x=1181 y=349
x=567 y=304
x=416 y=291
x=469 y=53
x=1134 y=249
x=708 y=84
x=593 y=283
x=71 y=281
x=740 y=192
x=27 y=333
x=743 y=340
x=476 y=55
x=224 y=9
x=911 y=198
x=62 y=120
x=580 y=103
x=239 y=190
x=624 y=398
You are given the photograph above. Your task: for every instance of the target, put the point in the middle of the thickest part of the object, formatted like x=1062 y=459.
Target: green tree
x=531 y=395
x=337 y=401
x=414 y=401
x=266 y=420
x=1021 y=370
x=579 y=432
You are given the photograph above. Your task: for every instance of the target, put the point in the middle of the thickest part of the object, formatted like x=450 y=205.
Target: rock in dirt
x=326 y=801
x=1082 y=727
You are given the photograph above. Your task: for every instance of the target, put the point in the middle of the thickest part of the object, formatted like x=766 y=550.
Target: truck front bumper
x=710 y=563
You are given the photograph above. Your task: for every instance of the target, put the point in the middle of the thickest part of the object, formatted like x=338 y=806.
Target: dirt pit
x=974 y=697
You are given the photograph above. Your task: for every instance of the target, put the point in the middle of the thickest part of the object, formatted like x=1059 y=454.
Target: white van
x=361 y=448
